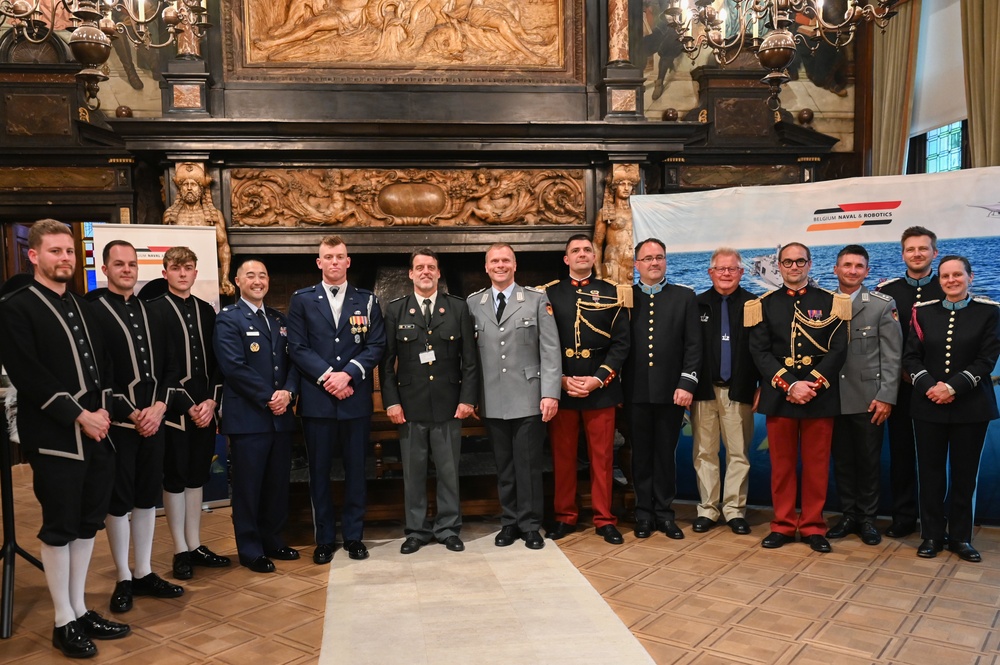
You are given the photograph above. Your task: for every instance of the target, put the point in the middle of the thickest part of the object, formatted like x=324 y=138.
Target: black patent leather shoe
x=670 y=528
x=97 y=627
x=774 y=540
x=156 y=586
x=508 y=534
x=560 y=530
x=454 y=544
x=844 y=527
x=702 y=524
x=323 y=554
x=121 y=599
x=929 y=548
x=72 y=641
x=259 y=564
x=410 y=545
x=610 y=534
x=818 y=543
x=643 y=529
x=965 y=552
x=533 y=540
x=283 y=554
x=901 y=529
x=356 y=549
x=739 y=526
x=202 y=556
x=182 y=566
x=869 y=534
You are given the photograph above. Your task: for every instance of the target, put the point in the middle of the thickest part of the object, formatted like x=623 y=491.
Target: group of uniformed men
x=119 y=397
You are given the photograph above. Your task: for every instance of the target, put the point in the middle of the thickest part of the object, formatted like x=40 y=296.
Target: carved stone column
x=623 y=82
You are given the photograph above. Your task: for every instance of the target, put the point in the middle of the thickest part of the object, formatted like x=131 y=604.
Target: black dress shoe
x=929 y=548
x=774 y=540
x=560 y=530
x=72 y=641
x=670 y=528
x=818 y=543
x=702 y=524
x=182 y=566
x=121 y=599
x=739 y=526
x=283 y=554
x=97 y=627
x=156 y=586
x=533 y=540
x=508 y=534
x=869 y=534
x=901 y=529
x=454 y=544
x=259 y=564
x=643 y=529
x=323 y=554
x=202 y=556
x=844 y=527
x=965 y=551
x=610 y=534
x=356 y=549
x=410 y=545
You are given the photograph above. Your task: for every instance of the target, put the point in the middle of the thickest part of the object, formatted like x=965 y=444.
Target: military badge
x=412 y=311
x=548 y=308
x=440 y=310
x=814 y=313
x=895 y=314
x=283 y=331
x=255 y=347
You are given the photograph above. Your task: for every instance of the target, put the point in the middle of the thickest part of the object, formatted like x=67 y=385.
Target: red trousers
x=787 y=438
x=564 y=435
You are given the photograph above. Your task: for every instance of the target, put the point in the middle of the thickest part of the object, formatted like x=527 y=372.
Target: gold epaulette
x=753 y=311
x=624 y=295
x=842 y=306
x=545 y=286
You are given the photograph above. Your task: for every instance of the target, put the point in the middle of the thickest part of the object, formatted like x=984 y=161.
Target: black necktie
x=726 y=356
x=265 y=326
x=427 y=312
x=333 y=291
x=501 y=303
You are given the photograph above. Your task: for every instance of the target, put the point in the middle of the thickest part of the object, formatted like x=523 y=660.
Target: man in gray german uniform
x=869 y=382
x=56 y=359
x=520 y=378
x=429 y=384
x=594 y=334
x=798 y=341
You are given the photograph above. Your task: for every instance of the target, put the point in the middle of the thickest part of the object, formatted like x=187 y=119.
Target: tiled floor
x=710 y=598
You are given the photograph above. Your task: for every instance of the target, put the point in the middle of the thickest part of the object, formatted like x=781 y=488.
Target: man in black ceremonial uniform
x=138 y=348
x=191 y=424
x=56 y=359
x=917 y=285
x=430 y=383
x=594 y=339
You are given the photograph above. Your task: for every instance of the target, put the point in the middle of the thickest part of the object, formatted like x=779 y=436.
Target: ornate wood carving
x=391 y=41
x=406 y=197
x=615 y=258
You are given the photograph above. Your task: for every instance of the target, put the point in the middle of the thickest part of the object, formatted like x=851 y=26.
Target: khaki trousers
x=734 y=422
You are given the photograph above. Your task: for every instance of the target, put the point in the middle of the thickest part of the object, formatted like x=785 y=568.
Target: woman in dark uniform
x=952 y=347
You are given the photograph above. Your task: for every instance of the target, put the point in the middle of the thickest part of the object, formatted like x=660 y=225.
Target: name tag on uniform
x=253 y=333
x=427 y=357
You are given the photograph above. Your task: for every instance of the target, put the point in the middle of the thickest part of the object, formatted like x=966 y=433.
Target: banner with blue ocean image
x=961 y=207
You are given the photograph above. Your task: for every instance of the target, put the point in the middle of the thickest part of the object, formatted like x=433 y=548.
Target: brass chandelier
x=97 y=22
x=771 y=29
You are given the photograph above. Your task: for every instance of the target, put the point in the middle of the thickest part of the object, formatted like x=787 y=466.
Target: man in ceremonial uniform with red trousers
x=799 y=343
x=594 y=333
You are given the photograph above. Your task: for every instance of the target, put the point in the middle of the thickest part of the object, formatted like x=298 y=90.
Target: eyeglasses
x=650 y=259
x=725 y=270
x=800 y=263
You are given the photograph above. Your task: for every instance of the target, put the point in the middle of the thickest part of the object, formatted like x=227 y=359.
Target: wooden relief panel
x=378 y=41
x=406 y=197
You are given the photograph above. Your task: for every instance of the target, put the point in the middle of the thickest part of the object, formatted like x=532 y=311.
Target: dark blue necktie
x=726 y=355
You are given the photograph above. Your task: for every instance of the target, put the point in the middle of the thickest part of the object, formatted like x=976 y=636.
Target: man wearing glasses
x=659 y=377
x=798 y=341
x=724 y=401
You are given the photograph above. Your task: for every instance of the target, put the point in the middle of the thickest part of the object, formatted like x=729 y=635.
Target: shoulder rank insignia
x=545 y=286
x=924 y=303
x=882 y=296
x=985 y=300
